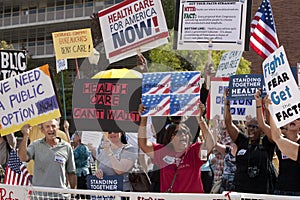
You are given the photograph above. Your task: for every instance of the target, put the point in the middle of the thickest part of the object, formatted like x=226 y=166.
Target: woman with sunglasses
x=115 y=157
x=254 y=168
x=289 y=169
x=179 y=160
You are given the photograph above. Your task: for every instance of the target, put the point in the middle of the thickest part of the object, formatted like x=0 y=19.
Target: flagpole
x=63 y=94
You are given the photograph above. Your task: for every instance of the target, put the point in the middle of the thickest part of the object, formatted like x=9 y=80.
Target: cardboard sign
x=215 y=25
x=229 y=63
x=28 y=98
x=107 y=104
x=12 y=63
x=239 y=108
x=171 y=93
x=132 y=25
x=244 y=86
x=73 y=44
x=281 y=88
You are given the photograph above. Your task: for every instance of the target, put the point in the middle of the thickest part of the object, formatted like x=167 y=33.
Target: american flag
x=16 y=172
x=184 y=104
x=156 y=83
x=185 y=82
x=263 y=38
x=156 y=105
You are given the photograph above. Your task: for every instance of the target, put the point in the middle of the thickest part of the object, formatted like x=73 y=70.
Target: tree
x=5 y=45
x=165 y=58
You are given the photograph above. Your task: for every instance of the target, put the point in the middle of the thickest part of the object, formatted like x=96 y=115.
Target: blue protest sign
x=107 y=183
x=244 y=86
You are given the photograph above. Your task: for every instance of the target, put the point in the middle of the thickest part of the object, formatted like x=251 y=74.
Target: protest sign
x=229 y=63
x=107 y=183
x=91 y=137
x=215 y=25
x=298 y=70
x=239 y=108
x=281 y=88
x=61 y=65
x=12 y=63
x=132 y=25
x=171 y=93
x=244 y=86
x=28 y=98
x=107 y=104
x=73 y=44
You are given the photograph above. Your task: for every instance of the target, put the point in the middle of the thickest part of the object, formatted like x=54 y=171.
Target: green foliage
x=165 y=58
x=5 y=45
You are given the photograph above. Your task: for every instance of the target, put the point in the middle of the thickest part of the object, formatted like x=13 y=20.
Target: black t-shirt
x=289 y=173
x=253 y=160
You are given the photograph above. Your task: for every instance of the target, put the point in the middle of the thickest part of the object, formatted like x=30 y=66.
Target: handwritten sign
x=28 y=98
x=73 y=44
x=229 y=63
x=224 y=23
x=107 y=104
x=171 y=93
x=282 y=88
x=131 y=25
x=12 y=63
x=239 y=108
x=244 y=86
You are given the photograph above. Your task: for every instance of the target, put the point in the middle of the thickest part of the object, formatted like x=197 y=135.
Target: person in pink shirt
x=179 y=160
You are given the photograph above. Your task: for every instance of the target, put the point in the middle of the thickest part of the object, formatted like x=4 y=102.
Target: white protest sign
x=281 y=88
x=298 y=69
x=229 y=63
x=61 y=65
x=132 y=25
x=28 y=98
x=239 y=108
x=92 y=137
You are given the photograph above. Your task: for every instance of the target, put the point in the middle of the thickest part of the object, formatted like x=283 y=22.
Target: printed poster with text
x=73 y=44
x=281 y=88
x=171 y=93
x=244 y=86
x=239 y=108
x=28 y=98
x=224 y=23
x=12 y=62
x=107 y=104
x=132 y=25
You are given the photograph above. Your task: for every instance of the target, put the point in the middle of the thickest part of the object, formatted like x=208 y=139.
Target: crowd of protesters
x=238 y=155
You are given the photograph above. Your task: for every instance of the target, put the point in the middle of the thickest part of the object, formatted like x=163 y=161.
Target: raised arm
x=231 y=128
x=208 y=137
x=143 y=143
x=259 y=114
x=286 y=146
x=22 y=152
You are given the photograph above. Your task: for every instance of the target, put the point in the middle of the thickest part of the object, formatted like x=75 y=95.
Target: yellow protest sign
x=73 y=44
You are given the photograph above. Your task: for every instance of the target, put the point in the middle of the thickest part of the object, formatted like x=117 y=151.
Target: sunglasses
x=253 y=126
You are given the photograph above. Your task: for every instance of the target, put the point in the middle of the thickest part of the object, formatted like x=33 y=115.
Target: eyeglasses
x=253 y=126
